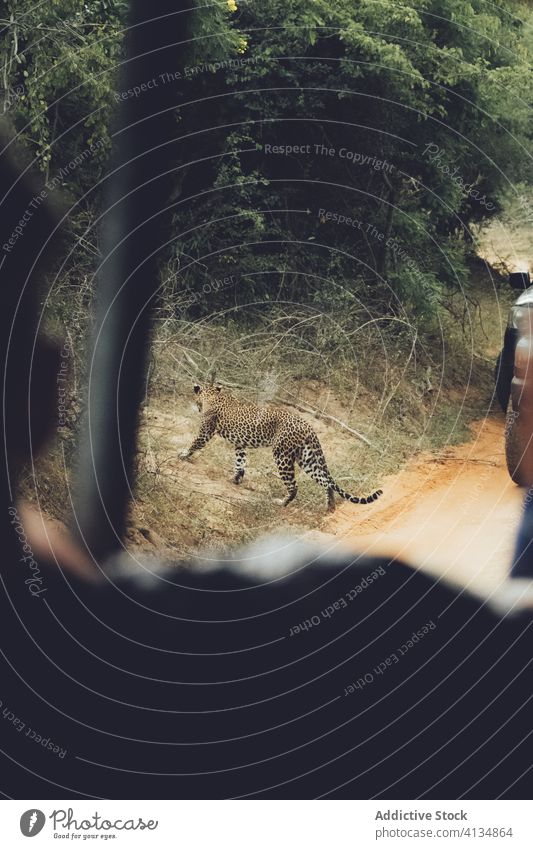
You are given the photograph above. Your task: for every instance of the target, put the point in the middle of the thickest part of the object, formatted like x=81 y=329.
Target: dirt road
x=454 y=513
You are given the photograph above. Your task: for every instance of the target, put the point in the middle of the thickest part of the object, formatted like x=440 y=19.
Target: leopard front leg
x=240 y=465
x=207 y=430
x=285 y=463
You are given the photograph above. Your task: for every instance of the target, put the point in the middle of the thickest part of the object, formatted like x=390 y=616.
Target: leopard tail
x=355 y=499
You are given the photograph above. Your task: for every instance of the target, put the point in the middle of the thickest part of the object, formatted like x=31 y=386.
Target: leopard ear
x=197 y=388
x=218 y=388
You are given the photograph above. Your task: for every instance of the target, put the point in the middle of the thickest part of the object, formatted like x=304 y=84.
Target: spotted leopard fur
x=246 y=425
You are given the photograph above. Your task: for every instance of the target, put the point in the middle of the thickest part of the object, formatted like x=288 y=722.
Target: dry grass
x=402 y=391
x=379 y=380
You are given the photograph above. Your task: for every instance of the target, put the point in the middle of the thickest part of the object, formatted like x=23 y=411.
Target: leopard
x=247 y=425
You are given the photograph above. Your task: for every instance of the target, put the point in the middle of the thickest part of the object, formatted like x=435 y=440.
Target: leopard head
x=206 y=396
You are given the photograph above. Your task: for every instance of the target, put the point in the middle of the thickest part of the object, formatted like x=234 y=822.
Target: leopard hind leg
x=240 y=465
x=314 y=464
x=285 y=463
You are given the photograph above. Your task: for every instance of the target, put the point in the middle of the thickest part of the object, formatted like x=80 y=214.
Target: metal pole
x=133 y=229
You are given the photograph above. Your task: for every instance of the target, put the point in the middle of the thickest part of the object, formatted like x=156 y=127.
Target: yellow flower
x=232 y=6
x=242 y=44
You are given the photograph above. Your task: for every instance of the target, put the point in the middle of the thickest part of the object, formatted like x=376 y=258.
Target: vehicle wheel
x=516 y=441
x=503 y=375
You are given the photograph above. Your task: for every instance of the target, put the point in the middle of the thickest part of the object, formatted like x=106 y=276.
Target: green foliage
x=60 y=57
x=424 y=103
x=438 y=91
